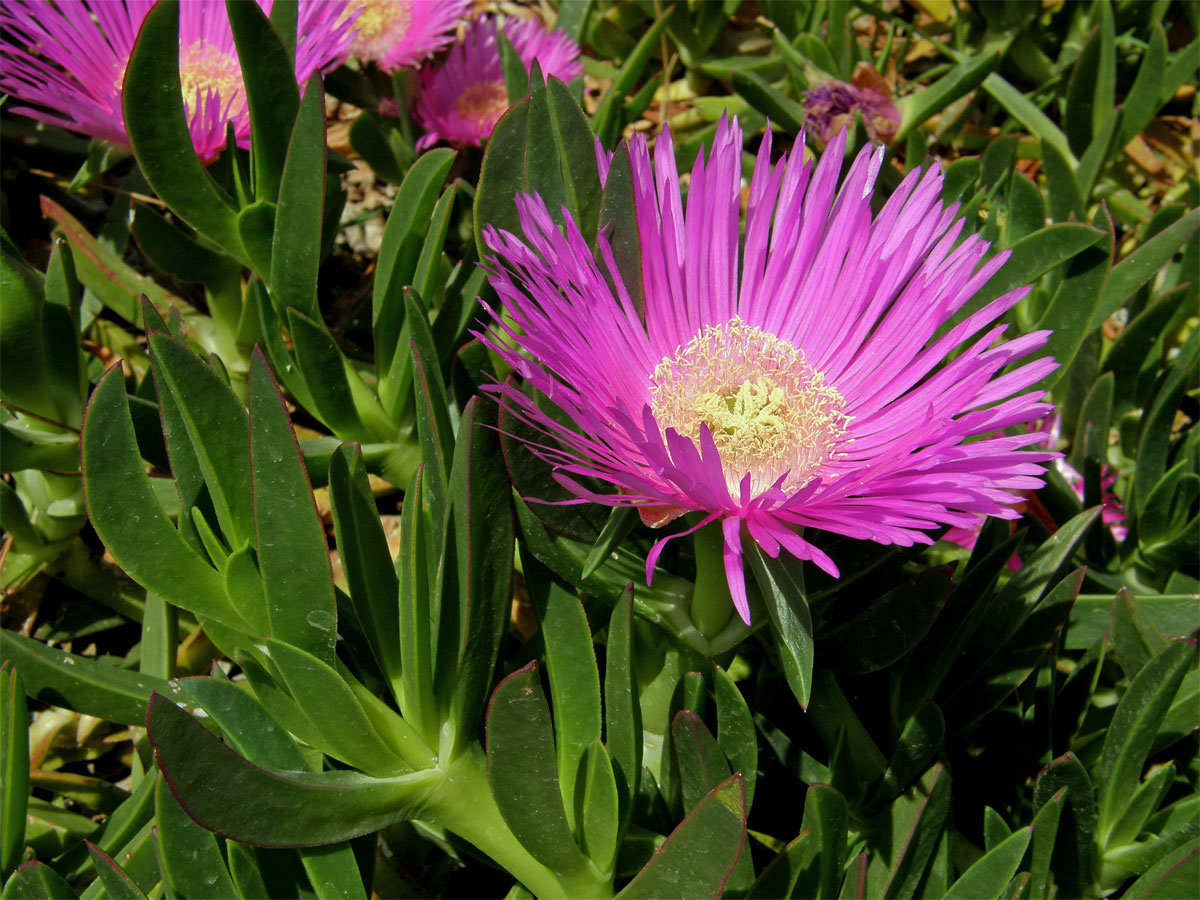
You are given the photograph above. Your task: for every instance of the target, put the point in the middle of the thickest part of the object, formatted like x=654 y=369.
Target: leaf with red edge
x=698 y=857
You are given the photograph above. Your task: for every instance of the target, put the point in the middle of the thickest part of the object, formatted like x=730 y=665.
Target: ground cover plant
x=605 y=448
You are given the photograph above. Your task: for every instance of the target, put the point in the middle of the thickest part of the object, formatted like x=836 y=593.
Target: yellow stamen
x=211 y=71
x=380 y=25
x=483 y=104
x=769 y=412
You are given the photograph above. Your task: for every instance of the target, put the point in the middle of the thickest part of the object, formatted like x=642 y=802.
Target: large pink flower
x=69 y=58
x=461 y=100
x=796 y=382
x=397 y=34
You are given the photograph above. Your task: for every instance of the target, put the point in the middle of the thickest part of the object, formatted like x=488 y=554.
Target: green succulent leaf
x=523 y=772
x=698 y=857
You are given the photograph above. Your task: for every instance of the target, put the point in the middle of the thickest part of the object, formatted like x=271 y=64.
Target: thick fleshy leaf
x=771 y=102
x=22 y=339
x=886 y=631
x=477 y=581
x=228 y=795
x=117 y=884
x=574 y=678
x=417 y=614
x=702 y=765
x=401 y=248
x=331 y=382
x=600 y=816
x=293 y=555
x=544 y=146
x=129 y=519
x=918 y=745
x=700 y=854
x=37 y=881
x=1141 y=103
x=791 y=621
x=622 y=711
x=347 y=731
x=1134 y=726
x=902 y=852
x=152 y=100
x=190 y=857
x=1016 y=658
x=1045 y=830
x=216 y=427
x=366 y=559
x=919 y=107
x=433 y=421
x=296 y=245
x=736 y=735
x=1027 y=113
x=179 y=254
x=88 y=685
x=272 y=96
x=1175 y=875
x=250 y=730
x=779 y=878
x=1135 y=639
x=14 y=767
x=1140 y=265
x=989 y=876
x=1070 y=313
x=826 y=818
x=996 y=621
x=1073 y=857
x=1032 y=257
x=523 y=773
x=1154 y=440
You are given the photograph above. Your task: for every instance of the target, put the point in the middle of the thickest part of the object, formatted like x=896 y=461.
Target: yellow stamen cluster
x=482 y=104
x=211 y=71
x=380 y=24
x=769 y=412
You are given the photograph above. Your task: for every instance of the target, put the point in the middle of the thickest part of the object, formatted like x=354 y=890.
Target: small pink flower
x=796 y=379
x=69 y=60
x=461 y=100
x=399 y=34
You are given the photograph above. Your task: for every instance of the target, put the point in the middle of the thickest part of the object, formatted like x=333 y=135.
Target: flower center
x=381 y=24
x=482 y=104
x=770 y=413
x=212 y=74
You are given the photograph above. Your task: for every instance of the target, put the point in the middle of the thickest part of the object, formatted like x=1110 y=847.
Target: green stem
x=465 y=805
x=712 y=605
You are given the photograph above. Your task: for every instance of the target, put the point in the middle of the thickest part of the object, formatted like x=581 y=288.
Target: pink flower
x=397 y=34
x=461 y=100
x=796 y=382
x=69 y=60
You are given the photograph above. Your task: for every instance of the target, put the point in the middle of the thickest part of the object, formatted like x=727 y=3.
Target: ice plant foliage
x=798 y=381
x=68 y=59
x=398 y=34
x=461 y=99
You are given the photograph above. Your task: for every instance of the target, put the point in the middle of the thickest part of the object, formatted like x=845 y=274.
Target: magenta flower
x=397 y=34
x=797 y=382
x=461 y=100
x=69 y=60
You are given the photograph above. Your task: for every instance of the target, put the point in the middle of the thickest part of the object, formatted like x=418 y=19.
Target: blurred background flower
x=398 y=34
x=68 y=61
x=461 y=99
x=830 y=106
